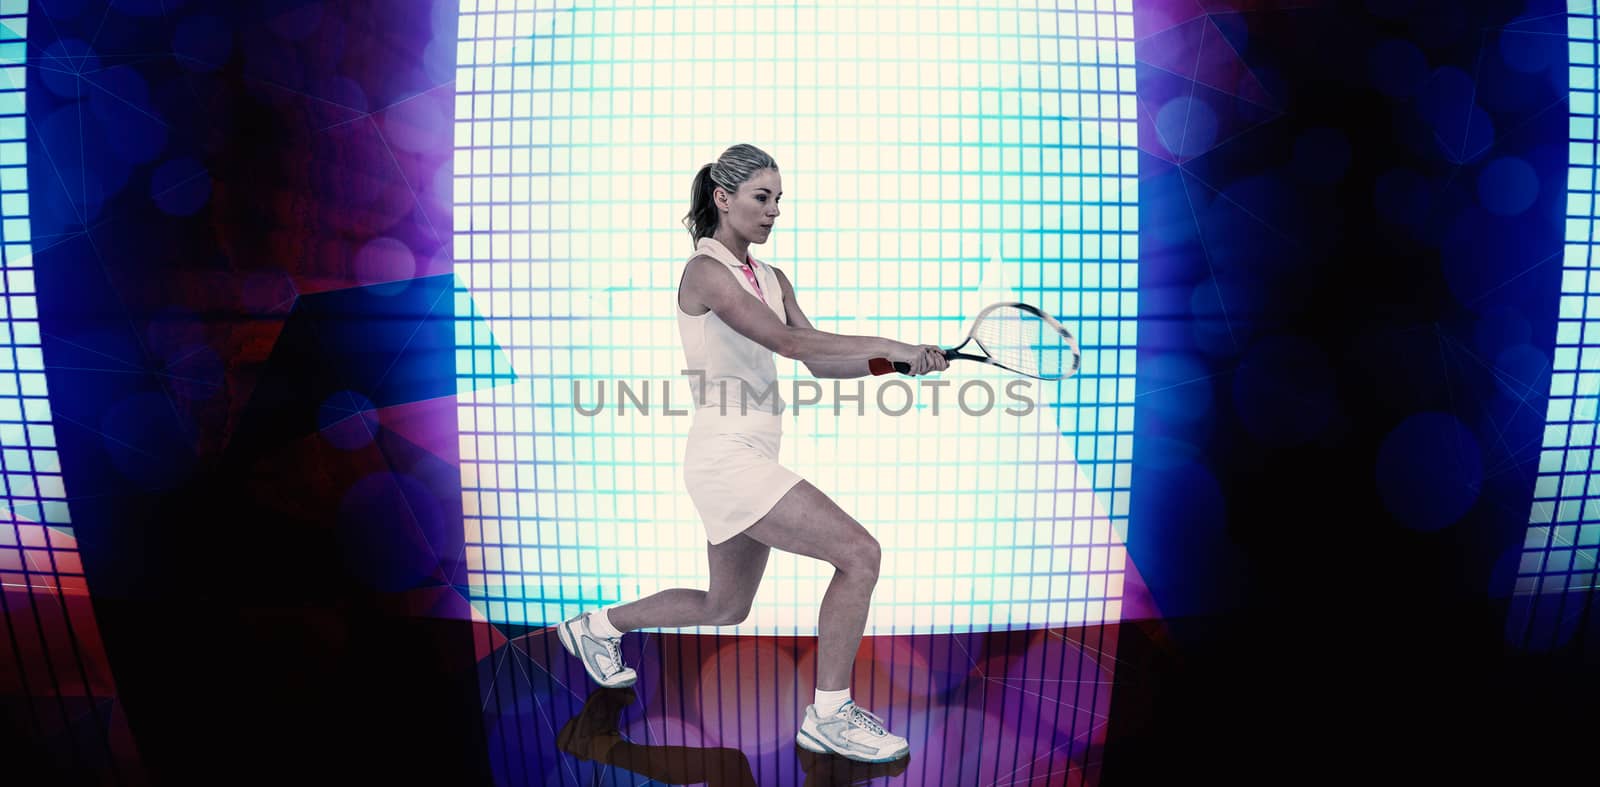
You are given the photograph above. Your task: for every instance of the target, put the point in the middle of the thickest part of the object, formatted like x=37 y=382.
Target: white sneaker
x=851 y=732
x=601 y=656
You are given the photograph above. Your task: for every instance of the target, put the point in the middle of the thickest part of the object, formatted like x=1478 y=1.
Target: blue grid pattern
x=1564 y=528
x=936 y=158
x=36 y=549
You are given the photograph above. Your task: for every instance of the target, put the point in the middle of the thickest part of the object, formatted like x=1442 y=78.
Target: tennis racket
x=1013 y=336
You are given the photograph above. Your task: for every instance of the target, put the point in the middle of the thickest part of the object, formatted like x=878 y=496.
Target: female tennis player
x=734 y=312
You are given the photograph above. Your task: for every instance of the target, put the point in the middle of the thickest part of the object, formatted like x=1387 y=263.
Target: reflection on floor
x=1018 y=708
x=56 y=687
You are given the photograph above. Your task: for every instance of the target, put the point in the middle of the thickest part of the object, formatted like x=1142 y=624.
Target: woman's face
x=753 y=210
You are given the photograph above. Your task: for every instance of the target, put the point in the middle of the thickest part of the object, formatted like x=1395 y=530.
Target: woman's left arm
x=841 y=370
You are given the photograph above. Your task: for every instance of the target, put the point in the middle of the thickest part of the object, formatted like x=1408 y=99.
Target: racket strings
x=1023 y=342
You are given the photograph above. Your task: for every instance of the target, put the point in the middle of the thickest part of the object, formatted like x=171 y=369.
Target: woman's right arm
x=712 y=284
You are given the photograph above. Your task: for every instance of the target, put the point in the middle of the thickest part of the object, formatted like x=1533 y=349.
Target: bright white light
x=933 y=161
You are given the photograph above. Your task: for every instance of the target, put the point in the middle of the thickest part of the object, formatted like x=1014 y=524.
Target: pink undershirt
x=750 y=274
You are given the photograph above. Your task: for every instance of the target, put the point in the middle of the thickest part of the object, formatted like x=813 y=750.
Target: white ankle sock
x=829 y=702
x=600 y=624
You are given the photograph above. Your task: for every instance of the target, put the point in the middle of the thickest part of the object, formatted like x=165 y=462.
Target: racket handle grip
x=885 y=366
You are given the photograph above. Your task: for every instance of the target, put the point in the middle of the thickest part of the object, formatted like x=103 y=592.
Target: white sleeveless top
x=736 y=369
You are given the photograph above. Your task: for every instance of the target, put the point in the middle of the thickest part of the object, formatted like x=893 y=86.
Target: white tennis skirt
x=734 y=479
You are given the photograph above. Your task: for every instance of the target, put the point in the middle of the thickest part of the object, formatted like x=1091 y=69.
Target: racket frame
x=954 y=353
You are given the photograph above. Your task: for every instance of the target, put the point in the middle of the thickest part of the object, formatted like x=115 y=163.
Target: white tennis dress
x=730 y=464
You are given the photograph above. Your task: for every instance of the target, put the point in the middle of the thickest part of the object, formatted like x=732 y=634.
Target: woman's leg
x=807 y=522
x=736 y=568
